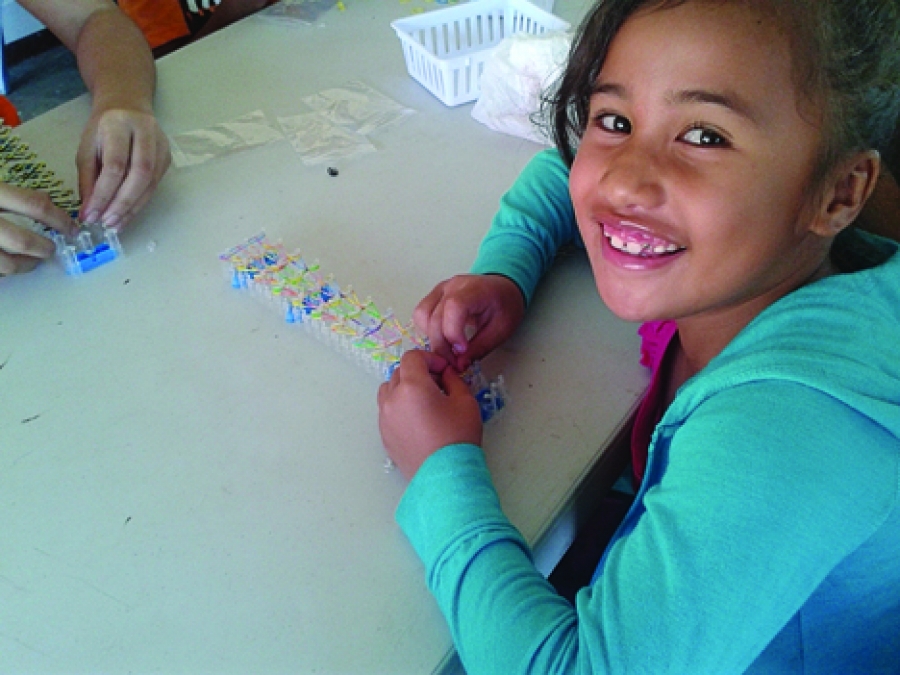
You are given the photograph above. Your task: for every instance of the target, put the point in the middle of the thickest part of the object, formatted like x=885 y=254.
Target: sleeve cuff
x=451 y=493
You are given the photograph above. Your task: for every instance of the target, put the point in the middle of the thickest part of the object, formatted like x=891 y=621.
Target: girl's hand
x=424 y=407
x=469 y=315
x=122 y=157
x=21 y=249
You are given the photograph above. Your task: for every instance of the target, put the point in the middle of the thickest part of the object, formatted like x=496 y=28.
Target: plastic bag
x=357 y=107
x=201 y=145
x=305 y=12
x=317 y=139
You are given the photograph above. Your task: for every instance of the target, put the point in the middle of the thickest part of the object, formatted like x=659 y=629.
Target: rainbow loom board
x=306 y=297
x=93 y=245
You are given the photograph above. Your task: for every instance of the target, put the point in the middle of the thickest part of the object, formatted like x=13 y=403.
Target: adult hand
x=121 y=159
x=469 y=315
x=21 y=249
x=424 y=407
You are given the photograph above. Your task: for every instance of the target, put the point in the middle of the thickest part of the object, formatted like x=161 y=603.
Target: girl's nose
x=631 y=180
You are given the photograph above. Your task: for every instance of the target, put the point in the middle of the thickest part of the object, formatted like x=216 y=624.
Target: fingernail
x=92 y=217
x=459 y=349
x=112 y=222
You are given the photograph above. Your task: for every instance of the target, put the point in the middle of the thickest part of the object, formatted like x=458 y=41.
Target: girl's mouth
x=637 y=242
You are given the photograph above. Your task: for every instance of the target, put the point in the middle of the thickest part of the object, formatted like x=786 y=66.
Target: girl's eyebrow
x=726 y=99
x=609 y=88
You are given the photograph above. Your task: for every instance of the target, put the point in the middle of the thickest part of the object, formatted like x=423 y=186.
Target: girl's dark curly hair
x=846 y=57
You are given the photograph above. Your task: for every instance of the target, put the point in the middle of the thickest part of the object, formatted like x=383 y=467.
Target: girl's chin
x=630 y=308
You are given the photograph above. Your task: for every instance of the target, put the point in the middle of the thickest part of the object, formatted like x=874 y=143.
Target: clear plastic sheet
x=337 y=129
x=357 y=107
x=317 y=139
x=226 y=138
x=296 y=11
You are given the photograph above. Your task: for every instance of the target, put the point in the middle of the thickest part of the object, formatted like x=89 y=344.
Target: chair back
x=197 y=6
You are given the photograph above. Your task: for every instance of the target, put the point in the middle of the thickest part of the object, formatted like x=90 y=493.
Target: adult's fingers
x=16 y=264
x=143 y=174
x=102 y=168
x=121 y=161
x=36 y=205
x=88 y=162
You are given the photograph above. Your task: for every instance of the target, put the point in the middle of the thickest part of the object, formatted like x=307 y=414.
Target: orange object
x=9 y=113
x=160 y=21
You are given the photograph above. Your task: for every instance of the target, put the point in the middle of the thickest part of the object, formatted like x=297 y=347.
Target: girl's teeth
x=634 y=248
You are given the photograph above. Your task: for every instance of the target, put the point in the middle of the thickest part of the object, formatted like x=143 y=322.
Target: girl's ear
x=846 y=193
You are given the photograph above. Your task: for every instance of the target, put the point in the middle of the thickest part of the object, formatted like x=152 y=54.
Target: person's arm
x=123 y=152
x=469 y=315
x=535 y=219
x=729 y=544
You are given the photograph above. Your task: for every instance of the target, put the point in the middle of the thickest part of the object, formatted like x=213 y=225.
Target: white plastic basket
x=446 y=49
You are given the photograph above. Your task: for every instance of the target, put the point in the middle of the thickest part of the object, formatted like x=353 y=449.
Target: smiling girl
x=716 y=153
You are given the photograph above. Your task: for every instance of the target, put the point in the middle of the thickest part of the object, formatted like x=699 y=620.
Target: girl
x=723 y=150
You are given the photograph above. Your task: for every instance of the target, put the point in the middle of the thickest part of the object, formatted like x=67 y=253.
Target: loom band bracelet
x=21 y=154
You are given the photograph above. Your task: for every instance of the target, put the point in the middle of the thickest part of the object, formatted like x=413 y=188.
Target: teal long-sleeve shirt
x=766 y=535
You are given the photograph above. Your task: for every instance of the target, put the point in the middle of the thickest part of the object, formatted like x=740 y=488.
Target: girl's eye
x=614 y=123
x=704 y=137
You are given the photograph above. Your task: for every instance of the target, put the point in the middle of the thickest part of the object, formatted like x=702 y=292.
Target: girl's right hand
x=469 y=315
x=424 y=407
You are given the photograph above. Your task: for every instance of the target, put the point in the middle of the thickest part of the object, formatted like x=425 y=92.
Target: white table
x=190 y=485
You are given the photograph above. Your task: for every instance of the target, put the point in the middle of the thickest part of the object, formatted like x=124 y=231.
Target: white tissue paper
x=514 y=78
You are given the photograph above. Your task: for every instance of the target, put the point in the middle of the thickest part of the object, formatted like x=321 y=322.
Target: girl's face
x=691 y=180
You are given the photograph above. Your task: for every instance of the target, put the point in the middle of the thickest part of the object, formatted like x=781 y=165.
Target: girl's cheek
x=575 y=191
x=580 y=179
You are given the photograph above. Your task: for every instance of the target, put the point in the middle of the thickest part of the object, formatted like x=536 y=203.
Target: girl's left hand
x=424 y=407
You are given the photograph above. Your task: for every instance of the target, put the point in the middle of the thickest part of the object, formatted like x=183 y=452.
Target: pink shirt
x=656 y=336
